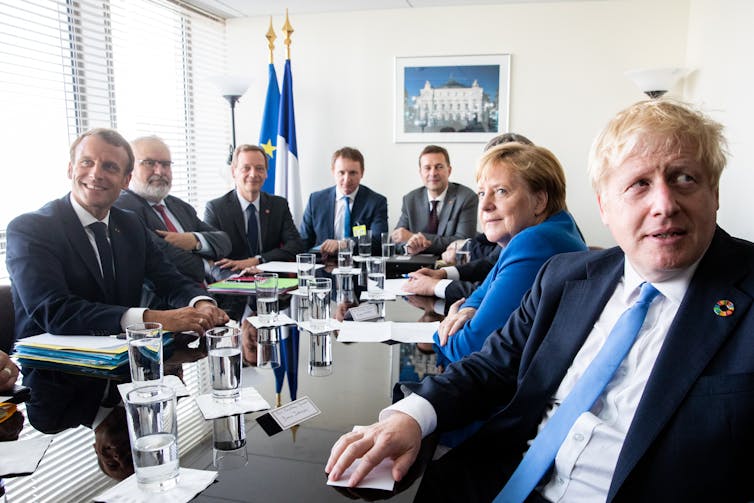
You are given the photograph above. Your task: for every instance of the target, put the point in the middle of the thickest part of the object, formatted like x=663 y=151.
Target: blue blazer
x=691 y=438
x=57 y=288
x=369 y=208
x=505 y=285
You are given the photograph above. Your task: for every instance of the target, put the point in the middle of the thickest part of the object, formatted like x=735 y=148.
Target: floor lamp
x=232 y=88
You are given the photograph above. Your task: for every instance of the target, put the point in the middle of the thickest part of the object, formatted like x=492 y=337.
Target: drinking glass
x=224 y=350
x=320 y=354
x=365 y=245
x=463 y=255
x=266 y=286
x=145 y=353
x=319 y=302
x=388 y=247
x=345 y=256
x=268 y=347
x=305 y=265
x=153 y=431
x=376 y=277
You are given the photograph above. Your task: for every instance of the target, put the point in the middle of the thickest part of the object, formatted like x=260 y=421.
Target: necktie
x=347 y=231
x=546 y=444
x=168 y=224
x=252 y=230
x=433 y=222
x=105 y=258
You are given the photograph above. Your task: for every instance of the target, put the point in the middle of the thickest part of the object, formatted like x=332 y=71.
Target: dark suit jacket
x=188 y=262
x=691 y=438
x=369 y=208
x=57 y=288
x=457 y=217
x=280 y=239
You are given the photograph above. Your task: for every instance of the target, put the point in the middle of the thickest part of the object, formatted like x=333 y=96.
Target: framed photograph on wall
x=451 y=98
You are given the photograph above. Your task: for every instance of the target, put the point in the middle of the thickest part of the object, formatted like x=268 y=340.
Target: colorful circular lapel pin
x=724 y=308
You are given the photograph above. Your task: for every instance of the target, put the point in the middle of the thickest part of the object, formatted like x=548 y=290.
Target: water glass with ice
x=319 y=302
x=224 y=350
x=153 y=431
x=305 y=263
x=266 y=286
x=388 y=247
x=145 y=353
x=376 y=277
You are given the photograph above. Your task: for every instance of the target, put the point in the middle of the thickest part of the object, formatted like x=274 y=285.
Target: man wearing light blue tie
x=580 y=403
x=332 y=213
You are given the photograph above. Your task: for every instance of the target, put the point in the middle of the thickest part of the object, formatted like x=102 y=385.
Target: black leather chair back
x=7 y=319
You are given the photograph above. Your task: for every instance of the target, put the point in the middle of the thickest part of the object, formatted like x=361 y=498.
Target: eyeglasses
x=150 y=163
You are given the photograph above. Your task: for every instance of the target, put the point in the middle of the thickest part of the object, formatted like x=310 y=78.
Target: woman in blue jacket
x=522 y=208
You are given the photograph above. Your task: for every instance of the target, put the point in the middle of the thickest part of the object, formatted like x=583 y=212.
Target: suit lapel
x=330 y=213
x=447 y=208
x=121 y=254
x=693 y=339
x=178 y=212
x=264 y=221
x=236 y=214
x=581 y=304
x=80 y=241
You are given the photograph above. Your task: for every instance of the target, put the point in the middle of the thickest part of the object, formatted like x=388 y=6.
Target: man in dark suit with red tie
x=667 y=404
x=188 y=242
x=77 y=266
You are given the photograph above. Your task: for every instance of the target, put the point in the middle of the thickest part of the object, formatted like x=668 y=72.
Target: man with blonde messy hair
x=625 y=374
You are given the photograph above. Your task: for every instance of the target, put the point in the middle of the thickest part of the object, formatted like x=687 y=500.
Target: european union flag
x=287 y=180
x=268 y=135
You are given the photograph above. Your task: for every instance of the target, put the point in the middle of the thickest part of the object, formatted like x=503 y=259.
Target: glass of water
x=145 y=353
x=266 y=286
x=153 y=431
x=224 y=350
x=229 y=443
x=345 y=256
x=268 y=347
x=463 y=255
x=376 y=277
x=305 y=263
x=319 y=302
x=365 y=245
x=320 y=354
x=388 y=247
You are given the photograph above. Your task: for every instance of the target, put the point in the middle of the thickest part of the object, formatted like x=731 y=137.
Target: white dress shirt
x=585 y=463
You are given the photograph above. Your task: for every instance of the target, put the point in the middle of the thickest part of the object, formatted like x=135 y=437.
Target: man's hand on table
x=237 y=265
x=423 y=281
x=397 y=437
x=200 y=318
x=8 y=372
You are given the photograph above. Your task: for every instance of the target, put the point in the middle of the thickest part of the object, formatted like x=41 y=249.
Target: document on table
x=382 y=331
x=395 y=286
x=280 y=267
x=94 y=343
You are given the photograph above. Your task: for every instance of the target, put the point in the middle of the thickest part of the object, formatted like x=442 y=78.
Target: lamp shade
x=655 y=82
x=231 y=85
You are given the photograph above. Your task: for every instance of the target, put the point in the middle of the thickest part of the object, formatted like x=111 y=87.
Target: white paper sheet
x=190 y=483
x=168 y=380
x=281 y=321
x=355 y=331
x=90 y=342
x=21 y=457
x=395 y=286
x=249 y=401
x=287 y=267
x=381 y=476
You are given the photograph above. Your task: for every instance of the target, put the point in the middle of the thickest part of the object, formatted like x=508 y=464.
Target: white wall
x=720 y=41
x=567 y=80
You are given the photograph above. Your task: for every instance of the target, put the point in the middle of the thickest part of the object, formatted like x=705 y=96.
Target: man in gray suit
x=438 y=213
x=188 y=242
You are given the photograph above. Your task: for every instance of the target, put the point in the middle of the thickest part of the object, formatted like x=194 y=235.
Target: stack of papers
x=365 y=331
x=245 y=285
x=103 y=356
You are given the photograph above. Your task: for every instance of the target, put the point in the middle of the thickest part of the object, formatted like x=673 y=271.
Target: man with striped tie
x=626 y=374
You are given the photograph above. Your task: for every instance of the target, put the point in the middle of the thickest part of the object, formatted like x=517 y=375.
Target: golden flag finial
x=271 y=39
x=287 y=29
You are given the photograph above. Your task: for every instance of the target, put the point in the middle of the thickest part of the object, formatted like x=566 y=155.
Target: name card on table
x=287 y=416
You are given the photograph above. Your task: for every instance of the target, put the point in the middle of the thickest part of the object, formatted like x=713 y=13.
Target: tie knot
x=98 y=228
x=251 y=209
x=159 y=207
x=434 y=203
x=647 y=294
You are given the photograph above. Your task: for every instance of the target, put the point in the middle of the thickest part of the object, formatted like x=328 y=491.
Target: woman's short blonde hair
x=536 y=166
x=658 y=126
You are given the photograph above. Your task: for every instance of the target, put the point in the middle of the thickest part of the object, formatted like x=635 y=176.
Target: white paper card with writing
x=295 y=412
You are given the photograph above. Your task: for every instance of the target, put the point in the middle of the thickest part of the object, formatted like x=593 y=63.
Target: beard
x=155 y=190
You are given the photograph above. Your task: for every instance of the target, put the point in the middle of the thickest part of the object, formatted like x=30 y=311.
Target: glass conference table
x=289 y=466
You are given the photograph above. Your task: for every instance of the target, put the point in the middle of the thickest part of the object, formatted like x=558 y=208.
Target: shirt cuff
x=132 y=316
x=452 y=272
x=203 y=244
x=201 y=297
x=441 y=286
x=418 y=408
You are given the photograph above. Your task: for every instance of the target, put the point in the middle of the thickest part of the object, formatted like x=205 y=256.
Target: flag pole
x=287 y=29
x=270 y=36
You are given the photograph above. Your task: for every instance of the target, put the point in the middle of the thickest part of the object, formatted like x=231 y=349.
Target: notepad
x=382 y=331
